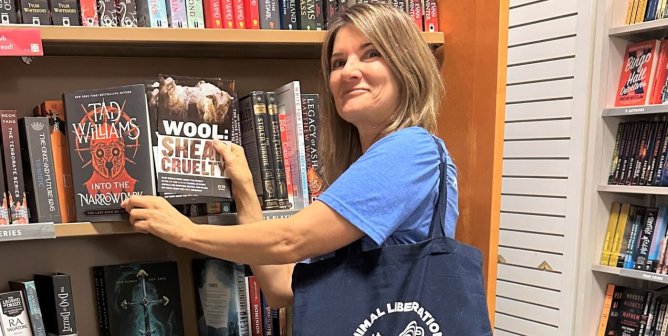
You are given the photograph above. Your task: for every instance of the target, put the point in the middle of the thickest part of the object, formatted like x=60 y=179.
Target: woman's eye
x=373 y=53
x=336 y=64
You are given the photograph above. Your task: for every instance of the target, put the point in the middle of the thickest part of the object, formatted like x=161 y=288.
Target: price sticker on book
x=21 y=42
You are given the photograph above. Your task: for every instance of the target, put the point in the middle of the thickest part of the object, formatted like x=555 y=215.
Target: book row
x=144 y=298
x=636 y=238
x=646 y=10
x=84 y=155
x=230 y=14
x=644 y=74
x=639 y=155
x=633 y=311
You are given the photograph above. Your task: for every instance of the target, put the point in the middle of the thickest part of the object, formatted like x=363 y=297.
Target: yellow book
x=619 y=235
x=610 y=233
x=630 y=12
x=605 y=312
x=640 y=13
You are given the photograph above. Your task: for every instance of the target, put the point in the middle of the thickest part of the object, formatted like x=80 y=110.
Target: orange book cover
x=638 y=69
x=659 y=86
x=61 y=157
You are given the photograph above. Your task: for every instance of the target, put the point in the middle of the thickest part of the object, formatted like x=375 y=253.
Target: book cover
x=126 y=13
x=213 y=14
x=139 y=299
x=55 y=111
x=109 y=140
x=217 y=298
x=65 y=12
x=107 y=12
x=56 y=301
x=311 y=120
x=88 y=10
x=252 y=12
x=610 y=233
x=152 y=13
x=195 y=14
x=32 y=303
x=39 y=174
x=192 y=112
x=176 y=13
x=269 y=14
x=274 y=133
x=18 y=204
x=14 y=315
x=638 y=69
x=34 y=12
x=8 y=12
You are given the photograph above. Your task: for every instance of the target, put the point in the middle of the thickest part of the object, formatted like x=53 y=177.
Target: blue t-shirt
x=389 y=193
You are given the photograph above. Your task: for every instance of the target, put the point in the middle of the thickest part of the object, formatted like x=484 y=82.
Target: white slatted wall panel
x=548 y=47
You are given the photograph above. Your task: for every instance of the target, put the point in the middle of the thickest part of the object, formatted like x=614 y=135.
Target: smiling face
x=364 y=89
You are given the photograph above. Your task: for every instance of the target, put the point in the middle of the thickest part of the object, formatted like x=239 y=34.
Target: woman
x=379 y=111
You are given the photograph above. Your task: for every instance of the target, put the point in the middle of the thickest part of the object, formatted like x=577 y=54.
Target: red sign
x=21 y=42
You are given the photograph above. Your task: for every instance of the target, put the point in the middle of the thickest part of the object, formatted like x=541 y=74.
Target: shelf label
x=21 y=42
x=27 y=231
x=653 y=277
x=637 y=109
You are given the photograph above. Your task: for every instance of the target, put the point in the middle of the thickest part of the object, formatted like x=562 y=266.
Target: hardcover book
x=152 y=13
x=192 y=113
x=637 y=73
x=195 y=13
x=8 y=12
x=54 y=110
x=274 y=134
x=14 y=315
x=107 y=12
x=88 y=10
x=18 y=204
x=34 y=12
x=109 y=140
x=39 y=174
x=126 y=13
x=311 y=119
x=176 y=13
x=32 y=303
x=139 y=299
x=65 y=12
x=54 y=293
x=217 y=298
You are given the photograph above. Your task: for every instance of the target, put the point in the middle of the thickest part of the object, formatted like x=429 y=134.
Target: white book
x=14 y=315
x=289 y=101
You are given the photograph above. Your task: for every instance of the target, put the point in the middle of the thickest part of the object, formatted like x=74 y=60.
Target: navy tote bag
x=434 y=288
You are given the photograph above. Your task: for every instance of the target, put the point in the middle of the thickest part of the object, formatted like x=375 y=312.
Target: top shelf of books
x=649 y=29
x=165 y=42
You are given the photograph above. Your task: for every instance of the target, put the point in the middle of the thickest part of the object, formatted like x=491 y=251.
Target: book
x=56 y=300
x=39 y=173
x=176 y=14
x=88 y=10
x=252 y=13
x=8 y=12
x=638 y=69
x=34 y=12
x=274 y=133
x=311 y=120
x=126 y=13
x=14 y=318
x=269 y=14
x=610 y=232
x=109 y=142
x=32 y=303
x=152 y=13
x=217 y=297
x=65 y=12
x=213 y=14
x=192 y=112
x=17 y=200
x=139 y=299
x=107 y=12
x=195 y=14
x=55 y=111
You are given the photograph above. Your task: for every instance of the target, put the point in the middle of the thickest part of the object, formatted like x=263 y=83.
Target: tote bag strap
x=438 y=218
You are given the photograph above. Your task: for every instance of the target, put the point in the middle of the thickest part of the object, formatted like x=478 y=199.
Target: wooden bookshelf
x=656 y=28
x=628 y=189
x=191 y=43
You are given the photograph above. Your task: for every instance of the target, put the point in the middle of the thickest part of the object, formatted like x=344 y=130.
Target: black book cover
x=276 y=146
x=56 y=301
x=307 y=14
x=139 y=299
x=289 y=14
x=256 y=142
x=8 y=12
x=35 y=12
x=191 y=113
x=39 y=174
x=126 y=12
x=107 y=11
x=27 y=287
x=108 y=136
x=65 y=12
x=18 y=205
x=14 y=314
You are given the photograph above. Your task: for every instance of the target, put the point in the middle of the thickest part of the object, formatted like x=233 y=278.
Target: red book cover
x=228 y=13
x=283 y=125
x=255 y=306
x=640 y=62
x=415 y=12
x=212 y=14
x=239 y=15
x=659 y=80
x=252 y=12
x=89 y=13
x=430 y=16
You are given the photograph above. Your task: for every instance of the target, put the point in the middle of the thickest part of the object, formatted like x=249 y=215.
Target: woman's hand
x=153 y=214
x=236 y=168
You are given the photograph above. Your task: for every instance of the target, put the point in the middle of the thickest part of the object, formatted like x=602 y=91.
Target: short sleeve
x=386 y=185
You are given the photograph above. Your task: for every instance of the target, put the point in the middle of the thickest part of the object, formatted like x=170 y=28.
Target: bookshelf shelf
x=626 y=189
x=635 y=110
x=165 y=42
x=629 y=273
x=81 y=229
x=645 y=29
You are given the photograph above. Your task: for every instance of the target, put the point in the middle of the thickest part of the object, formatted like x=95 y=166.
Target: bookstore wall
x=549 y=52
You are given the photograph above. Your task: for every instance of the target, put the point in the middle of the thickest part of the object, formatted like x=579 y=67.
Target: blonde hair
x=412 y=64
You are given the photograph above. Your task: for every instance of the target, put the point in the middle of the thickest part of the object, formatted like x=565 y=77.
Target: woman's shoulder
x=407 y=137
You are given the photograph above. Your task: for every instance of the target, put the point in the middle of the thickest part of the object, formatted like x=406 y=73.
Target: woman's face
x=364 y=90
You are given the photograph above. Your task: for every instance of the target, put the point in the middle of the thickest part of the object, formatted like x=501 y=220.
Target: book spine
x=35 y=12
x=251 y=144
x=101 y=298
x=654 y=156
x=176 y=13
x=8 y=12
x=634 y=238
x=252 y=13
x=415 y=12
x=312 y=120
x=605 y=312
x=645 y=239
x=14 y=317
x=18 y=208
x=88 y=9
x=629 y=12
x=239 y=14
x=299 y=157
x=41 y=190
x=32 y=305
x=430 y=16
x=212 y=14
x=663 y=153
x=277 y=151
x=610 y=232
x=306 y=135
x=267 y=322
x=54 y=293
x=615 y=154
x=126 y=11
x=645 y=153
x=287 y=157
x=640 y=14
x=64 y=12
x=255 y=306
x=240 y=279
x=227 y=13
x=269 y=15
x=107 y=12
x=307 y=14
x=195 y=13
x=623 y=150
x=319 y=14
x=289 y=14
